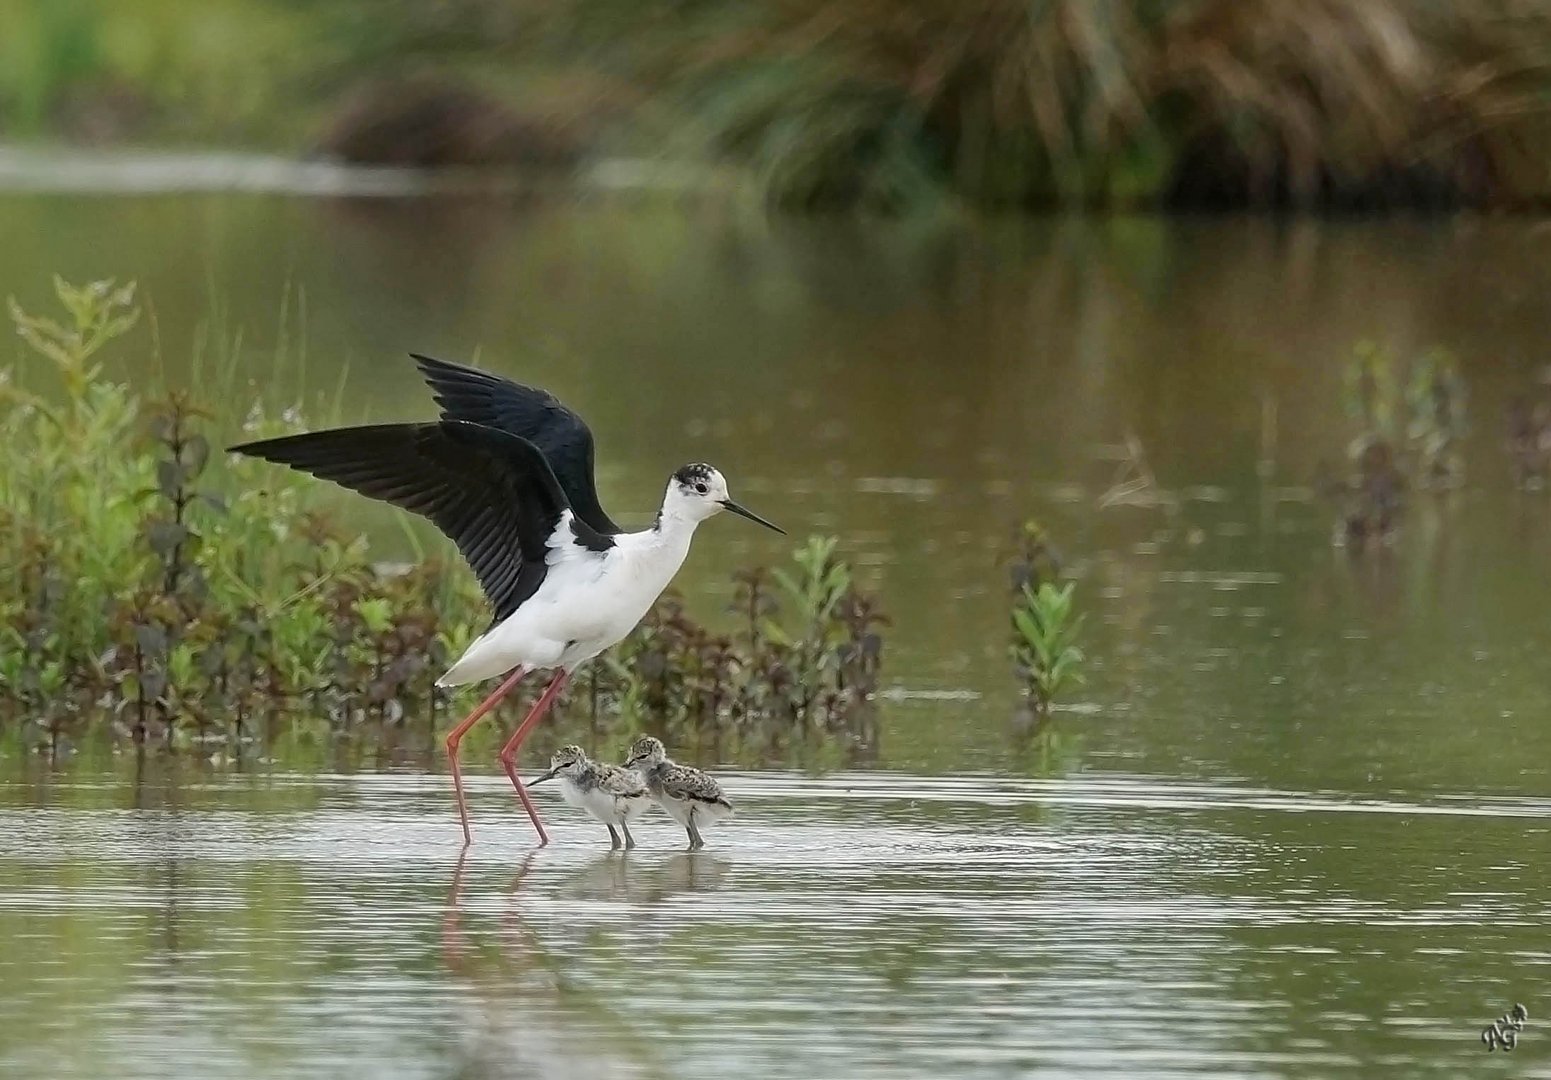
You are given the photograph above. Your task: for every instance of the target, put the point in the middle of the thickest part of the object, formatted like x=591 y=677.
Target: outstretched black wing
x=466 y=393
x=490 y=491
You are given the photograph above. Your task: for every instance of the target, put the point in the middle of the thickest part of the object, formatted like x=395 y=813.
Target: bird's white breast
x=596 y=801
x=588 y=601
x=595 y=598
x=677 y=809
x=573 y=794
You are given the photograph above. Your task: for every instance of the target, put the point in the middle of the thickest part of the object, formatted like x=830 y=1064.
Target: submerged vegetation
x=1410 y=424
x=1529 y=440
x=1353 y=103
x=166 y=599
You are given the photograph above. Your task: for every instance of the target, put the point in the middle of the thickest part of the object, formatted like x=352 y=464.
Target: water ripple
x=866 y=925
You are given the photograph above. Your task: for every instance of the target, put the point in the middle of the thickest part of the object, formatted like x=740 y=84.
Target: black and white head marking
x=698 y=491
x=695 y=478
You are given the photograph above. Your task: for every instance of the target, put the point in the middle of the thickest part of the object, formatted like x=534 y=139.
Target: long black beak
x=550 y=775
x=728 y=504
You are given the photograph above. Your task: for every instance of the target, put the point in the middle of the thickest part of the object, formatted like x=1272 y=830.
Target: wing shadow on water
x=525 y=1017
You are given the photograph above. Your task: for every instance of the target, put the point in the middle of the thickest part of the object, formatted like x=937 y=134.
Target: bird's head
x=567 y=761
x=697 y=491
x=646 y=752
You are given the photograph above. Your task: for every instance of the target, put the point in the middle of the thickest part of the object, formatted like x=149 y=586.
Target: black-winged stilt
x=613 y=795
x=507 y=473
x=690 y=797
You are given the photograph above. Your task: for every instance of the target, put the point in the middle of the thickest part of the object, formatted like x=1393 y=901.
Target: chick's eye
x=701 y=488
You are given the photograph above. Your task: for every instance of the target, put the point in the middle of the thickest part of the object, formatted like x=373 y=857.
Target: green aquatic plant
x=162 y=596
x=805 y=658
x=1044 y=651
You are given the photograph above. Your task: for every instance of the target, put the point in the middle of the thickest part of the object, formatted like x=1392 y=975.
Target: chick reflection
x=604 y=877
x=642 y=878
x=680 y=873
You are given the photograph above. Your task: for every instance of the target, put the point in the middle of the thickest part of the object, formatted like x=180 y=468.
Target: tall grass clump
x=162 y=595
x=1297 y=103
x=1107 y=102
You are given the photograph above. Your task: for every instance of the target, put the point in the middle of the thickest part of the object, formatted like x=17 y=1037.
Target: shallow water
x=862 y=924
x=1295 y=824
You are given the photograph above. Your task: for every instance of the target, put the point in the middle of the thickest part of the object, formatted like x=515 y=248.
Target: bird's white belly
x=573 y=795
x=711 y=813
x=677 y=809
x=588 y=619
x=583 y=606
x=595 y=801
x=704 y=813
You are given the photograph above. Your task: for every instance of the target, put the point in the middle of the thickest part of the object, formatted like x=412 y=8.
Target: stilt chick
x=609 y=793
x=690 y=797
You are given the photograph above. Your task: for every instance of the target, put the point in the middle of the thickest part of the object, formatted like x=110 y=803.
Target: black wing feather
x=531 y=413
x=492 y=492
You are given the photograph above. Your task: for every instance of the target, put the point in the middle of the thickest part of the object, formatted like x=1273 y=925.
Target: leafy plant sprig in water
x=1045 y=629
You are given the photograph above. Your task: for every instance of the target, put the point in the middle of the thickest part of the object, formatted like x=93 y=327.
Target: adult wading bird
x=507 y=473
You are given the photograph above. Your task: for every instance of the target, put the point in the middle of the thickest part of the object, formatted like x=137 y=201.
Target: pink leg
x=509 y=751
x=455 y=736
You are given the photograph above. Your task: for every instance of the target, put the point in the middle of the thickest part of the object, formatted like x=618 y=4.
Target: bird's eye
x=701 y=488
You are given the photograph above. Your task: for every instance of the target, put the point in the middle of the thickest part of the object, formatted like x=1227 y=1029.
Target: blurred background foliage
x=1350 y=104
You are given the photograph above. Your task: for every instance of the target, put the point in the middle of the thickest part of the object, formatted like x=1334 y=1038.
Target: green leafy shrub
x=164 y=599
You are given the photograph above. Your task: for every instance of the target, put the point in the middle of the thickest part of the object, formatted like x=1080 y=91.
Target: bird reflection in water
x=537 y=1014
x=680 y=873
x=530 y=1020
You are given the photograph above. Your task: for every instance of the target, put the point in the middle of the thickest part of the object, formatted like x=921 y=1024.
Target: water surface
x=1295 y=824
x=858 y=925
